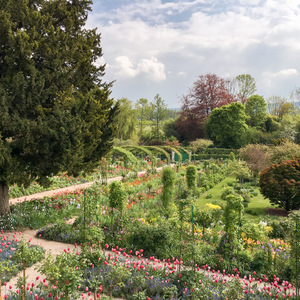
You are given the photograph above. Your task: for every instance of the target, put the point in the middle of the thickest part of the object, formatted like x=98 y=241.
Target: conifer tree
x=55 y=111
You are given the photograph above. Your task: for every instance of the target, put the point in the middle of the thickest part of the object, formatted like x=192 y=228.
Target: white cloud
x=124 y=67
x=154 y=69
x=145 y=39
x=282 y=73
x=150 y=68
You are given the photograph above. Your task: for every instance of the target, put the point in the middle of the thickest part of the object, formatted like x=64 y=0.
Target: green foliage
x=158 y=113
x=227 y=190
x=255 y=232
x=40 y=212
x=191 y=177
x=271 y=124
x=203 y=218
x=26 y=255
x=169 y=128
x=281 y=184
x=55 y=111
x=158 y=150
x=256 y=157
x=226 y=126
x=117 y=195
x=63 y=273
x=125 y=120
x=154 y=239
x=284 y=151
x=200 y=143
x=140 y=150
x=231 y=156
x=256 y=110
x=281 y=228
x=173 y=149
x=295 y=247
x=215 y=153
x=143 y=111
x=103 y=170
x=127 y=155
x=246 y=86
x=257 y=136
x=232 y=216
x=168 y=181
x=240 y=169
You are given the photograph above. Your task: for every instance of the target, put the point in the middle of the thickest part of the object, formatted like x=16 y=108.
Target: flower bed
x=11 y=255
x=118 y=273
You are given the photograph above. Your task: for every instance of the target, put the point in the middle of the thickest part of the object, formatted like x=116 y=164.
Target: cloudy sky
x=160 y=46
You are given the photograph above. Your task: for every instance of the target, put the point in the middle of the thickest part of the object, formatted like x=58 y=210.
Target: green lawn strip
x=255 y=210
x=214 y=194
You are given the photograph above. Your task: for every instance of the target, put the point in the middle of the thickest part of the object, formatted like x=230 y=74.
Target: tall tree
x=55 y=111
x=207 y=93
x=126 y=120
x=143 y=113
x=279 y=107
x=256 y=110
x=246 y=87
x=159 y=112
x=256 y=156
x=226 y=125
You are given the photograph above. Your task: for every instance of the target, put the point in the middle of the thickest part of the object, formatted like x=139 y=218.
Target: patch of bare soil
x=281 y=212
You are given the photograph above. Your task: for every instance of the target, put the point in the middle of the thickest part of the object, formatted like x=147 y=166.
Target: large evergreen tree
x=55 y=111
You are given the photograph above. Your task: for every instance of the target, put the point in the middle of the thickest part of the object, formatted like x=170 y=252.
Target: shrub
x=168 y=180
x=191 y=176
x=117 y=195
x=154 y=239
x=281 y=184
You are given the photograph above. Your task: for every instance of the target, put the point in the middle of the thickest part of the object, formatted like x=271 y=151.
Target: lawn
x=256 y=207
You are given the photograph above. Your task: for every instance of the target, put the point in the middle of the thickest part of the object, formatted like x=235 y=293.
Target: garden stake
x=89 y=202
x=297 y=286
x=24 y=278
x=180 y=246
x=193 y=237
x=84 y=221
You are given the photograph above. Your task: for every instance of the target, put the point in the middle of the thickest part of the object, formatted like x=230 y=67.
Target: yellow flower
x=213 y=206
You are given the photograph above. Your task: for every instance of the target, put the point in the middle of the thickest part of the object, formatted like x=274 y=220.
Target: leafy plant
x=168 y=180
x=281 y=184
x=117 y=196
x=191 y=176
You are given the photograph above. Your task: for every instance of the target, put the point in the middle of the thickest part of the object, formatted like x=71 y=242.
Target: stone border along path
x=56 y=248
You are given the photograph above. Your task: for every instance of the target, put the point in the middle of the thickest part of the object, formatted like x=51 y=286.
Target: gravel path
x=70 y=188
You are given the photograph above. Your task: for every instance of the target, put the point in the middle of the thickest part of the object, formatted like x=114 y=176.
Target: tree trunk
x=4 y=201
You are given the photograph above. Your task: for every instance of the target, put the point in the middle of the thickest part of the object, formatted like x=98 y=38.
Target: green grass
x=255 y=210
x=216 y=193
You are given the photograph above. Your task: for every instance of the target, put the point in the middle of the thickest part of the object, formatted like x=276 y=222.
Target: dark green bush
x=155 y=239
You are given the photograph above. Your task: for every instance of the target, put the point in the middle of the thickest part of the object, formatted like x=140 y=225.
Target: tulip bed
x=195 y=259
x=96 y=273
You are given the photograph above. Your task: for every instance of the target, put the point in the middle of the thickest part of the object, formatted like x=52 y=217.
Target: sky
x=161 y=47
